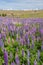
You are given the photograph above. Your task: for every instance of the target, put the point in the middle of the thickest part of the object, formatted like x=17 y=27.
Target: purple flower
x=23 y=53
x=22 y=41
x=41 y=30
x=5 y=57
x=12 y=63
x=38 y=53
x=28 y=42
x=1 y=44
x=28 y=53
x=17 y=59
x=32 y=46
x=35 y=62
x=26 y=37
x=0 y=35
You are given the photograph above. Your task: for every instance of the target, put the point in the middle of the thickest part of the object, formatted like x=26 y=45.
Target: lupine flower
x=35 y=62
x=21 y=41
x=17 y=59
x=26 y=37
x=12 y=63
x=0 y=36
x=23 y=53
x=28 y=42
x=41 y=31
x=5 y=57
x=38 y=53
x=1 y=43
x=3 y=35
x=21 y=33
x=28 y=53
x=32 y=46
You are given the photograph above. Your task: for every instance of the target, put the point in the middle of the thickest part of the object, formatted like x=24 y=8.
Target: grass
x=22 y=13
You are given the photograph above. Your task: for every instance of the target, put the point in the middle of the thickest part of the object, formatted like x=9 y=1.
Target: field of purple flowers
x=21 y=41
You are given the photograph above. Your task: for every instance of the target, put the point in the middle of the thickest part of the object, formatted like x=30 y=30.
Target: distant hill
x=22 y=13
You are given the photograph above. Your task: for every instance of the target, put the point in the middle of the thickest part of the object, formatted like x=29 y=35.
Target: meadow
x=21 y=37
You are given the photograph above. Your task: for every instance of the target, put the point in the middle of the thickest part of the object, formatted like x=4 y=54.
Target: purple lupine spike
x=0 y=36
x=32 y=46
x=21 y=40
x=28 y=62
x=35 y=62
x=1 y=43
x=28 y=43
x=23 y=53
x=28 y=53
x=41 y=31
x=12 y=63
x=17 y=59
x=3 y=35
x=38 y=55
x=26 y=37
x=5 y=57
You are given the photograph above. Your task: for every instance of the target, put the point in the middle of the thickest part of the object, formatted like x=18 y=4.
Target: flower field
x=21 y=41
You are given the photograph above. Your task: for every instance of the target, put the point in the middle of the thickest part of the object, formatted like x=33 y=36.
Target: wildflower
x=28 y=53
x=38 y=53
x=5 y=57
x=0 y=36
x=1 y=43
x=12 y=63
x=35 y=62
x=32 y=46
x=17 y=59
x=23 y=53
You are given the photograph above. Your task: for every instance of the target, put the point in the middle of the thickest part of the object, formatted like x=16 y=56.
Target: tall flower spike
x=5 y=57
x=17 y=59
x=28 y=53
x=38 y=55
x=12 y=63
x=1 y=44
x=23 y=53
x=35 y=62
